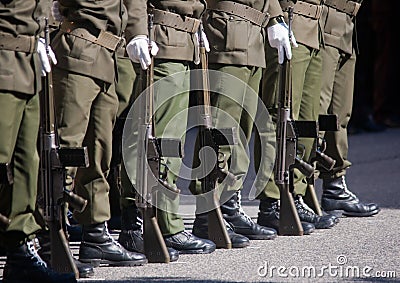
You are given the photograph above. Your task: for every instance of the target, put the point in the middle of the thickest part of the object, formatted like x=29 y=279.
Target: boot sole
x=308 y=231
x=97 y=262
x=86 y=274
x=260 y=237
x=241 y=245
x=203 y=251
x=365 y=214
x=343 y=213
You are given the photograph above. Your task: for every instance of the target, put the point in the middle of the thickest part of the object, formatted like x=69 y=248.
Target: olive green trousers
x=234 y=99
x=306 y=86
x=337 y=98
x=86 y=109
x=171 y=100
x=19 y=128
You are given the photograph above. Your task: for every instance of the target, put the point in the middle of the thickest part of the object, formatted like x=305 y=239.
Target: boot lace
x=33 y=252
x=304 y=207
x=241 y=211
x=346 y=189
x=115 y=242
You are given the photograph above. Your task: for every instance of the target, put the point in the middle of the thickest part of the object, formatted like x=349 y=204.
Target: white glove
x=205 y=40
x=138 y=50
x=278 y=37
x=41 y=50
x=55 y=11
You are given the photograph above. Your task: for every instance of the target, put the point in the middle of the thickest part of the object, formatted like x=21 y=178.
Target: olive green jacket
x=82 y=56
x=307 y=30
x=338 y=28
x=173 y=44
x=235 y=40
x=18 y=70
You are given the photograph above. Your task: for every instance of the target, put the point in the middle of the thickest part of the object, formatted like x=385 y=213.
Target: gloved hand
x=55 y=11
x=41 y=50
x=200 y=34
x=204 y=37
x=138 y=50
x=278 y=37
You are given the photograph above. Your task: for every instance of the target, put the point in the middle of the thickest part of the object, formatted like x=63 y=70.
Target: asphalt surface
x=355 y=250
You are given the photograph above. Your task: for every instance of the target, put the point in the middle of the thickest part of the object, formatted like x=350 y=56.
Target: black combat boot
x=242 y=223
x=306 y=214
x=268 y=216
x=339 y=200
x=85 y=270
x=24 y=265
x=187 y=243
x=200 y=229
x=131 y=237
x=99 y=247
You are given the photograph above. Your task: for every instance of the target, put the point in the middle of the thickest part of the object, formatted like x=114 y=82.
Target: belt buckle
x=120 y=43
x=319 y=12
x=265 y=20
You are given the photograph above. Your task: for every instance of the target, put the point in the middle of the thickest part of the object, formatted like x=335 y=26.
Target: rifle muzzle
x=304 y=167
x=4 y=222
x=324 y=160
x=76 y=202
x=6 y=175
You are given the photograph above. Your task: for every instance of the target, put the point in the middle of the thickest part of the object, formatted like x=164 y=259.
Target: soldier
x=23 y=58
x=306 y=85
x=338 y=60
x=86 y=106
x=131 y=221
x=175 y=24
x=236 y=33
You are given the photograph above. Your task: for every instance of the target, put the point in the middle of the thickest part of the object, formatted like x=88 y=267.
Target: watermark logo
x=340 y=269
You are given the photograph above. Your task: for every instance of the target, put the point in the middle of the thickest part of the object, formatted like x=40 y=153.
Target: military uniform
x=20 y=85
x=175 y=25
x=339 y=64
x=235 y=30
x=339 y=59
x=306 y=86
x=176 y=51
x=86 y=105
x=20 y=82
x=233 y=53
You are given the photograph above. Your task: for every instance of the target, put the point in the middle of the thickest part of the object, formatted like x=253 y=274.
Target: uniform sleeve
x=274 y=9
x=137 y=18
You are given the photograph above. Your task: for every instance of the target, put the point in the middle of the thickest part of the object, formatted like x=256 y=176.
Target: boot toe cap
x=187 y=243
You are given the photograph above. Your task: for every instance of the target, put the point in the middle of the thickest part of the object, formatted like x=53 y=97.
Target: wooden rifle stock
x=148 y=168
x=217 y=231
x=286 y=154
x=6 y=178
x=52 y=177
x=4 y=222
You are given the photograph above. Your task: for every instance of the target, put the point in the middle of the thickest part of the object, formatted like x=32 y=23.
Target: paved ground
x=357 y=249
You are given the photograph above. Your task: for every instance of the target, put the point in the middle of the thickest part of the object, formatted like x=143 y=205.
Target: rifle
x=53 y=161
x=151 y=151
x=287 y=151
x=6 y=178
x=326 y=122
x=213 y=138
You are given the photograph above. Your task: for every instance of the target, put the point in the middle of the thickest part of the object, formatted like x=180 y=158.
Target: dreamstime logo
x=338 y=270
x=173 y=119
